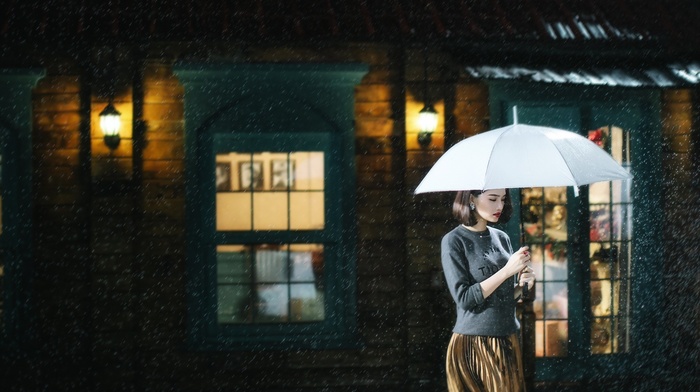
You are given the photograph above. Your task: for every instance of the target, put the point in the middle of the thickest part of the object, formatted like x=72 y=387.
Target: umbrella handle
x=526 y=293
x=525 y=290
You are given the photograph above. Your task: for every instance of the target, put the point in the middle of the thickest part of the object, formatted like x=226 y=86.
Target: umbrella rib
x=488 y=163
x=564 y=159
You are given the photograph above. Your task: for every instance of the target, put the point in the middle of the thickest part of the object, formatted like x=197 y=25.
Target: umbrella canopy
x=521 y=156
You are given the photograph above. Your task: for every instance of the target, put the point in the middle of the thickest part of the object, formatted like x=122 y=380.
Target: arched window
x=270 y=185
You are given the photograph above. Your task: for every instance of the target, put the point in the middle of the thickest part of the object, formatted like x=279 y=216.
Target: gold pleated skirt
x=484 y=364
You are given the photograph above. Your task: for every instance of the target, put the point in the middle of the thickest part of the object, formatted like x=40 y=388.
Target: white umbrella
x=521 y=156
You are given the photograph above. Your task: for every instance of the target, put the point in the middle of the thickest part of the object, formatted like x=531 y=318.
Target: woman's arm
x=465 y=291
x=517 y=262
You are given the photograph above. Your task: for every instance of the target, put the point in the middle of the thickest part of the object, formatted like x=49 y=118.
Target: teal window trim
x=15 y=242
x=633 y=109
x=223 y=104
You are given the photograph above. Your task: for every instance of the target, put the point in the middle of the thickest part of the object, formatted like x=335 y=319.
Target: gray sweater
x=469 y=258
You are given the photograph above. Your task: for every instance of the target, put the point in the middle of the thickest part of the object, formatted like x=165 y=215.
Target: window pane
x=600 y=297
x=250 y=174
x=271 y=266
x=309 y=170
x=601 y=336
x=233 y=211
x=551 y=338
x=599 y=192
x=609 y=335
x=281 y=172
x=272 y=303
x=307 y=303
x=599 y=222
x=306 y=264
x=234 y=304
x=270 y=283
x=233 y=265
x=556 y=298
x=308 y=212
x=270 y=211
x=622 y=221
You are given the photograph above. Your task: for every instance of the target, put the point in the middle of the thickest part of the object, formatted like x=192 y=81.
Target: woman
x=485 y=279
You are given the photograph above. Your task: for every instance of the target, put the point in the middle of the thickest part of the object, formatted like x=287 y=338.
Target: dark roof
x=671 y=75
x=612 y=42
x=551 y=21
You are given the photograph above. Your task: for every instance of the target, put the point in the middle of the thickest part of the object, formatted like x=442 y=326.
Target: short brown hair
x=464 y=214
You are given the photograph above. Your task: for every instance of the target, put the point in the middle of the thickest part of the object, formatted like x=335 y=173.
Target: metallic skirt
x=484 y=364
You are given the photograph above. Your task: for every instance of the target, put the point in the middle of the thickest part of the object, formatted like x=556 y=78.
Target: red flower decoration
x=597 y=136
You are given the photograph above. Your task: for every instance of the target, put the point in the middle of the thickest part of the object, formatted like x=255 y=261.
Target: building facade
x=254 y=227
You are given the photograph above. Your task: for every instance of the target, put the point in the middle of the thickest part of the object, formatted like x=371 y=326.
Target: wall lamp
x=428 y=116
x=427 y=123
x=110 y=122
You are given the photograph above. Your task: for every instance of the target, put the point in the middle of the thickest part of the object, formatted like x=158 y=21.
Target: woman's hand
x=527 y=277
x=518 y=261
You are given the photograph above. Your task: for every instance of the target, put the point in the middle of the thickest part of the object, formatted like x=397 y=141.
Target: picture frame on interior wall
x=282 y=177
x=250 y=174
x=223 y=176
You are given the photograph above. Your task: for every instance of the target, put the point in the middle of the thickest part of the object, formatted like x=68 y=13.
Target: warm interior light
x=110 y=122
x=427 y=123
x=427 y=119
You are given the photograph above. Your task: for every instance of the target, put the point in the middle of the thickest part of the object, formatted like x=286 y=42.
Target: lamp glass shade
x=427 y=119
x=110 y=121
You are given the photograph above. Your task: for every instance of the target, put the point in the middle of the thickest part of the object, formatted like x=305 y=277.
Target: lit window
x=610 y=253
x=545 y=231
x=270 y=187
x=610 y=209
x=270 y=282
x=270 y=191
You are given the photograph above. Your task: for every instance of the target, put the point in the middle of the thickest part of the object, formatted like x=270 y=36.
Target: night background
x=250 y=224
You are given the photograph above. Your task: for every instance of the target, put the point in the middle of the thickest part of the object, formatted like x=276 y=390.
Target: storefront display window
x=610 y=253
x=546 y=231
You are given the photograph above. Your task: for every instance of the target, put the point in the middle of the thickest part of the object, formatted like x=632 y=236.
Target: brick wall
x=139 y=283
x=381 y=248
x=109 y=261
x=681 y=275
x=61 y=268
x=430 y=309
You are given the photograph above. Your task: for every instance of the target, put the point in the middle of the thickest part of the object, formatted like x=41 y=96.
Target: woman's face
x=490 y=203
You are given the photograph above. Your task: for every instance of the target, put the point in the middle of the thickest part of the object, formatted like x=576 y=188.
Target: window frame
x=16 y=238
x=637 y=110
x=314 y=102
x=330 y=237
